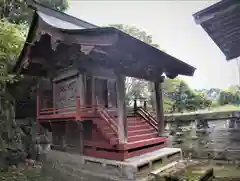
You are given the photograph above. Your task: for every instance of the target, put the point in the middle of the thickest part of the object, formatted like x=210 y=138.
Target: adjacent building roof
x=221 y=21
x=134 y=57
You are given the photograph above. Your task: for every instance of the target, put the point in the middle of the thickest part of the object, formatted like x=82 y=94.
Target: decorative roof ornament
x=86 y=49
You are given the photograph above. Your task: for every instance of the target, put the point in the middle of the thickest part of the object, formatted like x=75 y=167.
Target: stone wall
x=218 y=139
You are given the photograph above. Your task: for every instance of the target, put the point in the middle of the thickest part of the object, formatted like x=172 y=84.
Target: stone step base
x=132 y=169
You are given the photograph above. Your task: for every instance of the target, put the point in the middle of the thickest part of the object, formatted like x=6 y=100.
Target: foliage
x=135 y=32
x=183 y=98
x=11 y=41
x=212 y=93
x=17 y=11
x=230 y=96
x=12 y=37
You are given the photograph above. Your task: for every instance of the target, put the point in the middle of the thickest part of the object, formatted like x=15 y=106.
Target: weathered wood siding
x=66 y=88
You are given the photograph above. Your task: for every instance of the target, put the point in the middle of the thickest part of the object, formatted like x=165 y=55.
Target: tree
x=12 y=37
x=135 y=32
x=11 y=41
x=16 y=11
x=230 y=96
x=182 y=98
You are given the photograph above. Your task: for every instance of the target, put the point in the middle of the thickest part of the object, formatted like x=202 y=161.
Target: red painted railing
x=83 y=112
x=109 y=120
x=53 y=111
x=148 y=117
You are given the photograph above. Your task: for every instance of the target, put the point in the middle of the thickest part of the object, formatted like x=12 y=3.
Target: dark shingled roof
x=114 y=42
x=221 y=21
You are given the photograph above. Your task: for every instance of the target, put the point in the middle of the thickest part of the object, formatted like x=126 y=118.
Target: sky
x=173 y=28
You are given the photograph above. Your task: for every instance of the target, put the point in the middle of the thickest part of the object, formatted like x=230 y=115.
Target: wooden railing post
x=135 y=106
x=78 y=105
x=54 y=98
x=145 y=105
x=38 y=107
x=38 y=102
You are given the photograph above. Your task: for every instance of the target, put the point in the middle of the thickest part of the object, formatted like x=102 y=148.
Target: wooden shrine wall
x=66 y=89
x=69 y=84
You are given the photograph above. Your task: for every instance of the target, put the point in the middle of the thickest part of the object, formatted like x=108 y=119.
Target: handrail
x=106 y=116
x=103 y=113
x=148 y=117
x=109 y=117
x=65 y=109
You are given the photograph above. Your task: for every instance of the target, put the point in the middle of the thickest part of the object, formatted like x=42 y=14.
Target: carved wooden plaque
x=66 y=92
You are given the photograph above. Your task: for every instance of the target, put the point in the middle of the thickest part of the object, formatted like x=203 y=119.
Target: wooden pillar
x=135 y=105
x=81 y=89
x=93 y=91
x=121 y=109
x=81 y=140
x=54 y=96
x=159 y=106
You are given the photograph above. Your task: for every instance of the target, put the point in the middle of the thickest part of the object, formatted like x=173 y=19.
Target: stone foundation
x=84 y=168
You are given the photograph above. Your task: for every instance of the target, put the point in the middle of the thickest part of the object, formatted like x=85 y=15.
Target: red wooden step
x=139 y=122
x=145 y=150
x=139 y=127
x=142 y=137
x=141 y=131
x=133 y=118
x=135 y=144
